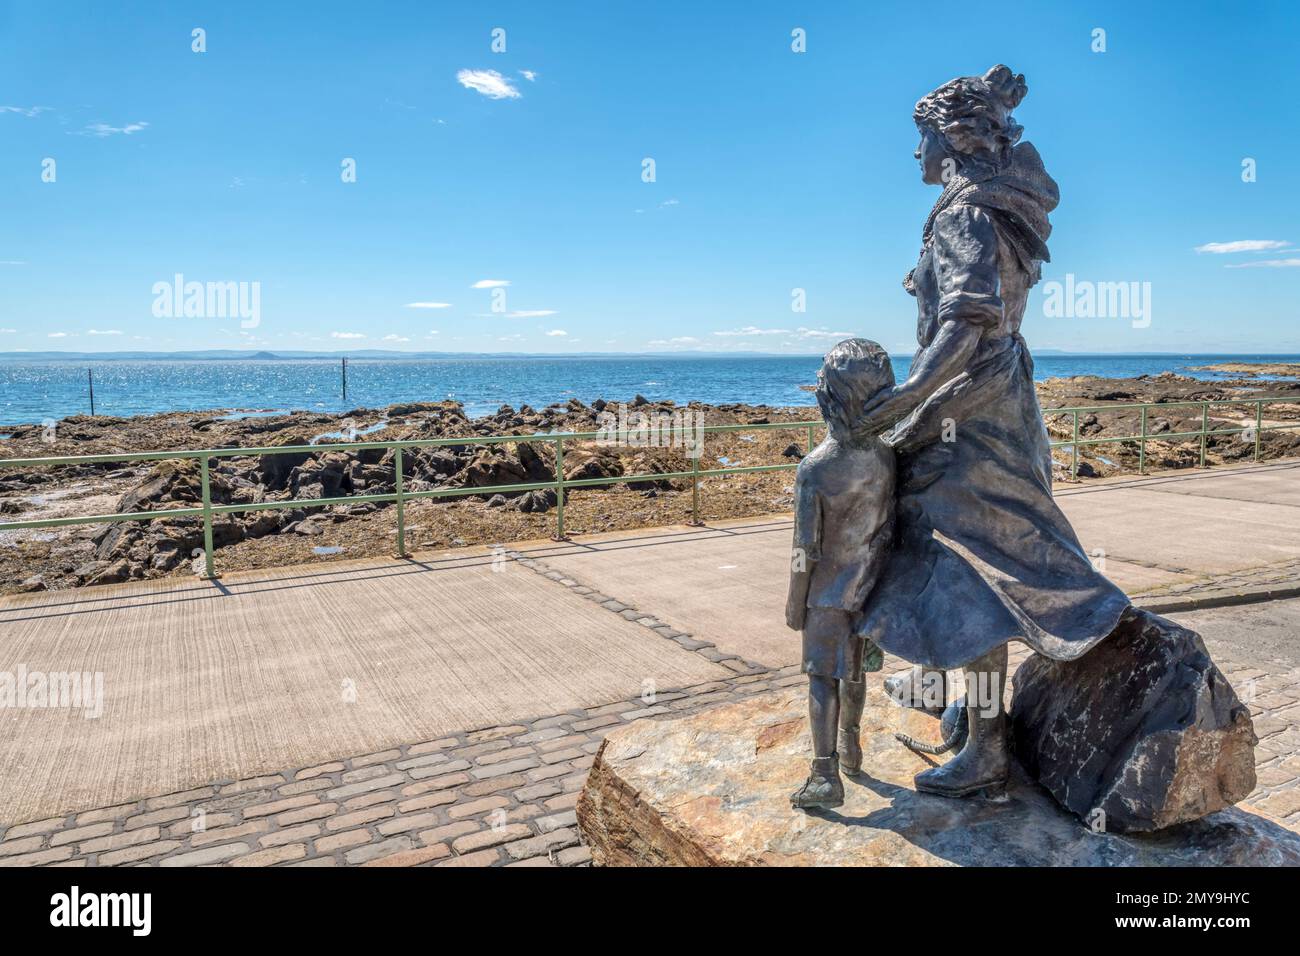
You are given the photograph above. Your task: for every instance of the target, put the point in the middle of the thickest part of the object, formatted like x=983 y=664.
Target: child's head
x=852 y=372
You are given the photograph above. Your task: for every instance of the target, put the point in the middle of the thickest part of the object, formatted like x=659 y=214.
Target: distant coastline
x=35 y=389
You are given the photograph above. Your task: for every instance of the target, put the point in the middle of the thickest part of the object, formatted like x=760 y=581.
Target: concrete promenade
x=444 y=710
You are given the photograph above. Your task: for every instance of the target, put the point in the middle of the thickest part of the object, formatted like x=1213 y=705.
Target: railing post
x=1259 y=426
x=1205 y=427
x=1142 y=445
x=401 y=506
x=808 y=451
x=695 y=483
x=559 y=489
x=208 y=571
x=1074 y=448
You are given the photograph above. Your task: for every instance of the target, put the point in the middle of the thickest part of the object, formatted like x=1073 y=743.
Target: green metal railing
x=399 y=496
x=1255 y=429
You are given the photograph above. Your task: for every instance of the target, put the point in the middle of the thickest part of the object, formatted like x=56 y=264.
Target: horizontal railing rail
x=399 y=496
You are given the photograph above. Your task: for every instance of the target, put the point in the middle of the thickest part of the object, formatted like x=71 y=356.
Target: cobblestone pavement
x=1270 y=581
x=494 y=796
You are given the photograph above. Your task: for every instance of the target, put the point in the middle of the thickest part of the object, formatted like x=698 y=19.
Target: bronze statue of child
x=843 y=532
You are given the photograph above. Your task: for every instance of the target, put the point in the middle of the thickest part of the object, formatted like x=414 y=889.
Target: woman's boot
x=823 y=789
x=853 y=697
x=983 y=764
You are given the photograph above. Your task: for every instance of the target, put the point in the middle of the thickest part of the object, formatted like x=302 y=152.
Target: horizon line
x=268 y=354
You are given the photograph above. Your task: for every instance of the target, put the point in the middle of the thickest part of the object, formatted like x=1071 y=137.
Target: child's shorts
x=831 y=649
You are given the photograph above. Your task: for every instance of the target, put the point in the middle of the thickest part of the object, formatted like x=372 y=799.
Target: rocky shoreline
x=47 y=558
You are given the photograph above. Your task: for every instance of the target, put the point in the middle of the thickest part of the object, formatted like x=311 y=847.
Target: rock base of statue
x=1141 y=733
x=714 y=789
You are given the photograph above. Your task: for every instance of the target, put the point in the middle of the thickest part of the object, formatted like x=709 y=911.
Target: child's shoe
x=823 y=788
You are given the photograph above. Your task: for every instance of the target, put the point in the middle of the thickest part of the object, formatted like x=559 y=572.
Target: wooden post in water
x=90 y=382
x=345 y=380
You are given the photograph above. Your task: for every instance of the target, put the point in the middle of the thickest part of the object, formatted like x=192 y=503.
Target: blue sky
x=775 y=171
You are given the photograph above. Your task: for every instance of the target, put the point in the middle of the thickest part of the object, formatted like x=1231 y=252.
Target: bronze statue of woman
x=983 y=555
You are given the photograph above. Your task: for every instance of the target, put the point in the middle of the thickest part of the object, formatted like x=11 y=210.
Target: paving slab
x=295 y=666
x=1267 y=633
x=726 y=583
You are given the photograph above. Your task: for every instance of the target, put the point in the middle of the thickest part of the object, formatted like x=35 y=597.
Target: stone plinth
x=713 y=789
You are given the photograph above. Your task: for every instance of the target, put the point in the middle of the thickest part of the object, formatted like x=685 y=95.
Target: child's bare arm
x=807 y=520
x=805 y=554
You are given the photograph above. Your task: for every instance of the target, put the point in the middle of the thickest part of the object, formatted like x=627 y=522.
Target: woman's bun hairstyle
x=972 y=114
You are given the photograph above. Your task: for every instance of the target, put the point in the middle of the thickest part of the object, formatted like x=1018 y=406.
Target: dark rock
x=492 y=466
x=35 y=583
x=329 y=472
x=792 y=451
x=643 y=464
x=592 y=464
x=88 y=570
x=184 y=534
x=115 y=573
x=170 y=484
x=258 y=524
x=1143 y=728
x=640 y=400
x=536 y=466
x=496 y=501
x=165 y=560
x=115 y=539
x=599 y=404
x=308 y=492
x=536 y=502
x=274 y=470
x=409 y=408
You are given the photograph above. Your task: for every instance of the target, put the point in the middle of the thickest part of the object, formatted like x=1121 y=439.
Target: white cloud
x=488 y=82
x=1242 y=245
x=427 y=305
x=529 y=75
x=103 y=331
x=560 y=332
x=490 y=283
x=28 y=111
x=530 y=313
x=670 y=202
x=7 y=331
x=103 y=130
x=679 y=340
x=13 y=262
x=395 y=338
x=61 y=335
x=1266 y=264
x=752 y=330
x=347 y=335
x=823 y=334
